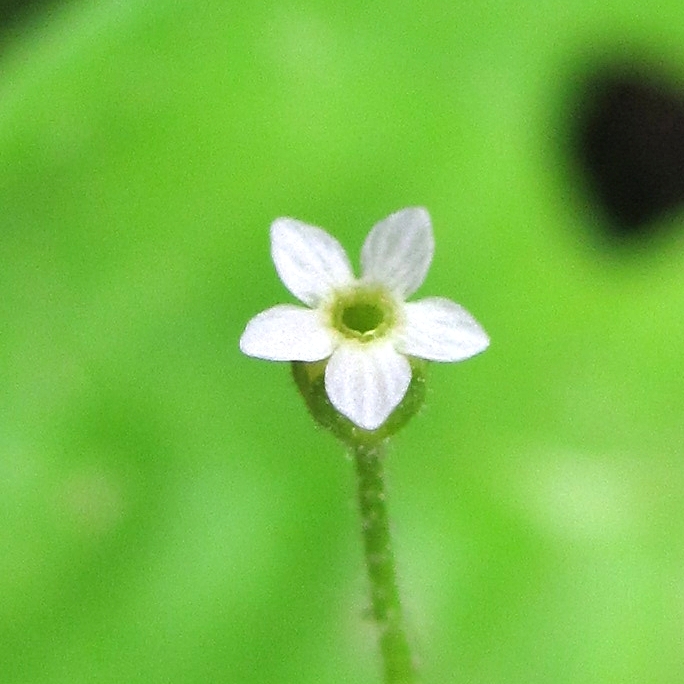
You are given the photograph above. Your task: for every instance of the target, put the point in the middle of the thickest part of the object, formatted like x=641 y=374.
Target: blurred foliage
x=170 y=514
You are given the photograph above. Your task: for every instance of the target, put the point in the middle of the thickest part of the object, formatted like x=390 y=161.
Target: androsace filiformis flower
x=364 y=327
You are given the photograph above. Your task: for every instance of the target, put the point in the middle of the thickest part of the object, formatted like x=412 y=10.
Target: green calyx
x=310 y=380
x=363 y=313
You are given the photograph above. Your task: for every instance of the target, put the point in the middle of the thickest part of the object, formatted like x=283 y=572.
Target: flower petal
x=398 y=251
x=287 y=333
x=308 y=260
x=366 y=382
x=440 y=330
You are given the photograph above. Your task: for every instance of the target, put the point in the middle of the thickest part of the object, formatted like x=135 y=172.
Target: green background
x=168 y=512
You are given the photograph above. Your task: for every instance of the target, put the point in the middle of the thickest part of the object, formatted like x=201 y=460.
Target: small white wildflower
x=364 y=327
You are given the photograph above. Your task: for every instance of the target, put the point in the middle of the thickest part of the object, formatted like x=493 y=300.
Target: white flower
x=364 y=327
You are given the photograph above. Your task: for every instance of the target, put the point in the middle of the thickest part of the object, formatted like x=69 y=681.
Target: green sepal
x=310 y=380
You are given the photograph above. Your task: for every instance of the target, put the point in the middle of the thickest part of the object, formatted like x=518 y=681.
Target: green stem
x=386 y=606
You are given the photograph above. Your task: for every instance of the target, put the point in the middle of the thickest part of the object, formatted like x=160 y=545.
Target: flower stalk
x=398 y=665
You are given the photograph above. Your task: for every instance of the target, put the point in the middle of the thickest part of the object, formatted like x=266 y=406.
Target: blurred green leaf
x=170 y=513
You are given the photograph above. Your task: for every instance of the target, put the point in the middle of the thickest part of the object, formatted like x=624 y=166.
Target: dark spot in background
x=627 y=139
x=15 y=13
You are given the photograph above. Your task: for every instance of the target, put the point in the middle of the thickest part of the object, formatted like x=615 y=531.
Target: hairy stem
x=386 y=606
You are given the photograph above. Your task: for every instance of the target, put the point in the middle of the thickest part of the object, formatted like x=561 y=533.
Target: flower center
x=362 y=318
x=363 y=314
